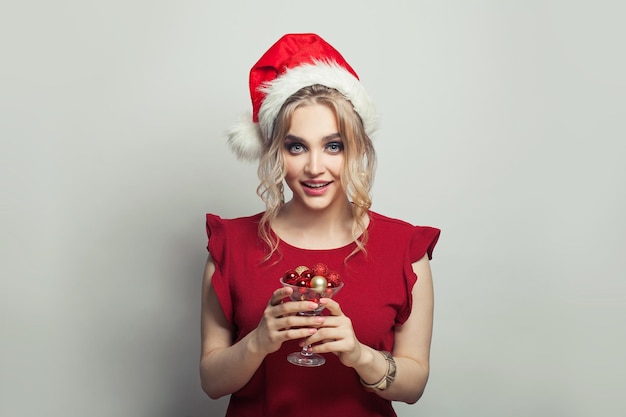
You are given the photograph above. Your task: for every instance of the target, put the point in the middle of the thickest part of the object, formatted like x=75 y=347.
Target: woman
x=310 y=130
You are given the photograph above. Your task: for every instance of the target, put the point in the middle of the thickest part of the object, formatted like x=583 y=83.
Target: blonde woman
x=311 y=131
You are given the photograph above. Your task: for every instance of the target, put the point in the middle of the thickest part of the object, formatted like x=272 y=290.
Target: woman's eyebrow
x=326 y=138
x=332 y=136
x=294 y=138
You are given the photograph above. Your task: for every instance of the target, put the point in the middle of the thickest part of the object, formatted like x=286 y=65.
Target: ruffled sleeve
x=217 y=235
x=422 y=242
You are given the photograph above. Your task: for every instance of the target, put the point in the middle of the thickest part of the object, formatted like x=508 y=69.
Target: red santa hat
x=295 y=61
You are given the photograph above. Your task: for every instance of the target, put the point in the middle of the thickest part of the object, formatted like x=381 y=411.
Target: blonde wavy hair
x=357 y=173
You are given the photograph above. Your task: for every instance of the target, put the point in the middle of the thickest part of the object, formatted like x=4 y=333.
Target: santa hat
x=295 y=61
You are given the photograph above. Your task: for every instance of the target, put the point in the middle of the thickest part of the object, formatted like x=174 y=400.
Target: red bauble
x=320 y=269
x=290 y=276
x=302 y=282
x=308 y=274
x=333 y=279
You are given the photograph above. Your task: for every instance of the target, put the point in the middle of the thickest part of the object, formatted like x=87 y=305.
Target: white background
x=502 y=124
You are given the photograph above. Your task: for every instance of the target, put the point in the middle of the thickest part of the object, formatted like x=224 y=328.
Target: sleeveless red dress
x=376 y=297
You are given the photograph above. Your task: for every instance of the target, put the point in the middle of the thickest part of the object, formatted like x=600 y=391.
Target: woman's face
x=314 y=155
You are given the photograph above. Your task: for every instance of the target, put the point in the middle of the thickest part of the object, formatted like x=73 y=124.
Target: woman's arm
x=412 y=341
x=411 y=346
x=226 y=367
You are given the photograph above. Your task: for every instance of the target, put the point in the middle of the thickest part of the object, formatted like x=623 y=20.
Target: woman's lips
x=315 y=188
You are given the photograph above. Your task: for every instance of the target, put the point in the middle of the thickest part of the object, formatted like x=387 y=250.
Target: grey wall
x=502 y=124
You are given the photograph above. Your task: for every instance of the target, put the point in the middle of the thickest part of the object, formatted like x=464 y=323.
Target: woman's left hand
x=336 y=335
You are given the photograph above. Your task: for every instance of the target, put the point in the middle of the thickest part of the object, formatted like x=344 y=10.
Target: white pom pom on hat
x=295 y=61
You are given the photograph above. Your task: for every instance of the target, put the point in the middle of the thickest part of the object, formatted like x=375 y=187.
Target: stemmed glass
x=305 y=357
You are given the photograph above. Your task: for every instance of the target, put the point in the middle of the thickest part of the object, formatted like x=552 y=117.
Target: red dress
x=376 y=297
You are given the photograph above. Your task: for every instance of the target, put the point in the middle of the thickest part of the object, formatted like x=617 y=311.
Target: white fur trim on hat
x=246 y=138
x=329 y=74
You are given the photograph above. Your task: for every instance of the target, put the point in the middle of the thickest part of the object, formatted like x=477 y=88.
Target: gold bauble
x=319 y=283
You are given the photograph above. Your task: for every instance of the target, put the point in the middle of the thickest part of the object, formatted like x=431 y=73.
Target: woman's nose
x=314 y=165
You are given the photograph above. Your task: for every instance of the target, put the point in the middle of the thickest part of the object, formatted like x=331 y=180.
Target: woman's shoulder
x=254 y=218
x=234 y=225
x=394 y=223
x=392 y=233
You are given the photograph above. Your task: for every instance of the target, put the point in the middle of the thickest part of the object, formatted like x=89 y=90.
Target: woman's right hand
x=281 y=323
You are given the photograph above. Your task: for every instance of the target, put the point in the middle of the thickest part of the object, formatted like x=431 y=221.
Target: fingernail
x=313 y=306
x=319 y=319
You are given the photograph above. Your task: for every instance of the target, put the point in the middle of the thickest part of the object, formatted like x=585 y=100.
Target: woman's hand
x=281 y=323
x=335 y=334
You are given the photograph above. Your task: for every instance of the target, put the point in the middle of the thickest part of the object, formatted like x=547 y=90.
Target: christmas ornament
x=318 y=277
x=318 y=283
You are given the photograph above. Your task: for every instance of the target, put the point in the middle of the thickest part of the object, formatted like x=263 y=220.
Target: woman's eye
x=295 y=147
x=335 y=147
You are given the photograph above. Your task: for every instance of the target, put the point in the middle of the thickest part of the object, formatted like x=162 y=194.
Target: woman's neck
x=311 y=229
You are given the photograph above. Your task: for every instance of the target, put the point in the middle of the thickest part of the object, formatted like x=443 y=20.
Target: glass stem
x=306 y=350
